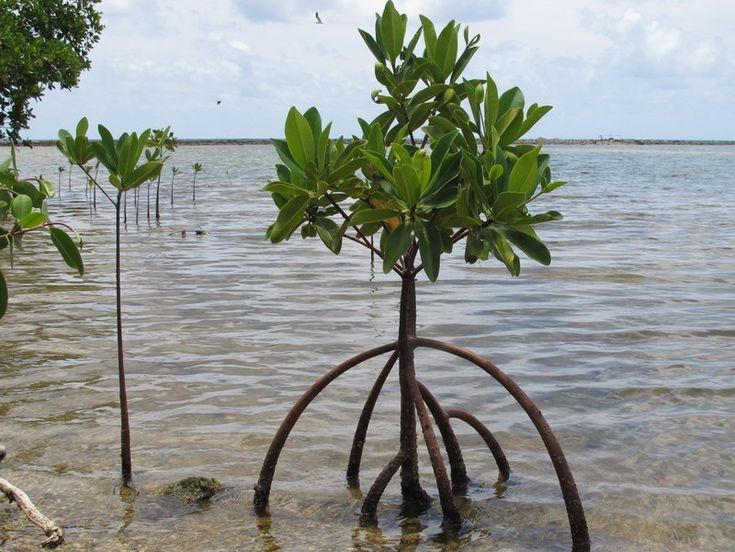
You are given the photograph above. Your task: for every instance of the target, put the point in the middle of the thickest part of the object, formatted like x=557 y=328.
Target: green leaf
x=404 y=88
x=299 y=137
x=460 y=221
x=507 y=203
x=3 y=295
x=330 y=233
x=289 y=218
x=82 y=126
x=429 y=92
x=21 y=206
x=407 y=183
x=31 y=220
x=285 y=156
x=462 y=62
x=546 y=217
x=23 y=187
x=285 y=189
x=418 y=115
x=372 y=45
x=463 y=202
x=533 y=116
x=429 y=36
x=147 y=171
x=125 y=160
x=491 y=103
x=506 y=122
x=504 y=252
x=422 y=163
x=523 y=175
x=47 y=188
x=554 y=185
x=68 y=249
x=380 y=163
x=323 y=146
x=367 y=216
x=392 y=31
x=375 y=139
x=496 y=171
x=511 y=99
x=445 y=55
x=396 y=244
x=430 y=248
x=530 y=245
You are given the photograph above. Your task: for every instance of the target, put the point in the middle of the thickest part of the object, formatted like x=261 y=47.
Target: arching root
x=358 y=442
x=488 y=437
x=572 y=502
x=263 y=487
x=370 y=504
x=454 y=453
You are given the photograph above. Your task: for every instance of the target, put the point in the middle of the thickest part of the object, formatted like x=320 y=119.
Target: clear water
x=625 y=342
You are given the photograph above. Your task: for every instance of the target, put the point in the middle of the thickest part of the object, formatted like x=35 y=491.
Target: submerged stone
x=193 y=489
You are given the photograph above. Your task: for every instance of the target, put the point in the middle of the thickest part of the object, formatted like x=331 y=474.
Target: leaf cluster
x=43 y=44
x=464 y=179
x=24 y=209
x=130 y=160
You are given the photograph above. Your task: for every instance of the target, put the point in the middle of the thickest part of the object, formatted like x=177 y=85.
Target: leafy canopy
x=462 y=179
x=43 y=44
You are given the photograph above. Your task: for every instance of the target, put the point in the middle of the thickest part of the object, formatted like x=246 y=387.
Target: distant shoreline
x=544 y=141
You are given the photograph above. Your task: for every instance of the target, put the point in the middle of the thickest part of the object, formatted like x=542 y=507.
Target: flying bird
x=219 y=102
x=318 y=19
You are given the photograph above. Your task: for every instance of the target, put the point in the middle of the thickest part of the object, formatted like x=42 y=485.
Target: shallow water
x=625 y=342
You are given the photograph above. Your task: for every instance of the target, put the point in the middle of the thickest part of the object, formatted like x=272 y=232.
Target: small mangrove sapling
x=174 y=172
x=465 y=181
x=61 y=170
x=162 y=139
x=197 y=168
x=127 y=170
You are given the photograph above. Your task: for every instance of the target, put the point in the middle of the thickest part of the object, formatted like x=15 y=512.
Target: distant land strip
x=544 y=141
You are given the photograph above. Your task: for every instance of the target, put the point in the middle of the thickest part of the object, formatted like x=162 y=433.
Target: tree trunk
x=411 y=489
x=127 y=464
x=158 y=196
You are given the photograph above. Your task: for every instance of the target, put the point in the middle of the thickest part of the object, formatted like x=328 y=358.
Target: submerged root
x=370 y=504
x=449 y=510
x=451 y=445
x=488 y=437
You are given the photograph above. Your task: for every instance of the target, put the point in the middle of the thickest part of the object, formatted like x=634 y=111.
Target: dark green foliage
x=43 y=44
x=464 y=179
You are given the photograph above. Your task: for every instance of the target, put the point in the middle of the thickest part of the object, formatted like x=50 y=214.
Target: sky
x=624 y=69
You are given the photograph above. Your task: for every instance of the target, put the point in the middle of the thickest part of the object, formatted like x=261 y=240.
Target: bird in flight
x=318 y=19
x=219 y=102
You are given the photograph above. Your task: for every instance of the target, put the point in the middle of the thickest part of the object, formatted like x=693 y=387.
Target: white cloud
x=620 y=68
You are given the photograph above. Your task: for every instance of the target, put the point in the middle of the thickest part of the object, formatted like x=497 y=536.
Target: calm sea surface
x=626 y=342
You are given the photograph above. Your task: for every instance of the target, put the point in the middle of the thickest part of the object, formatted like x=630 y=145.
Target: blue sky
x=643 y=69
